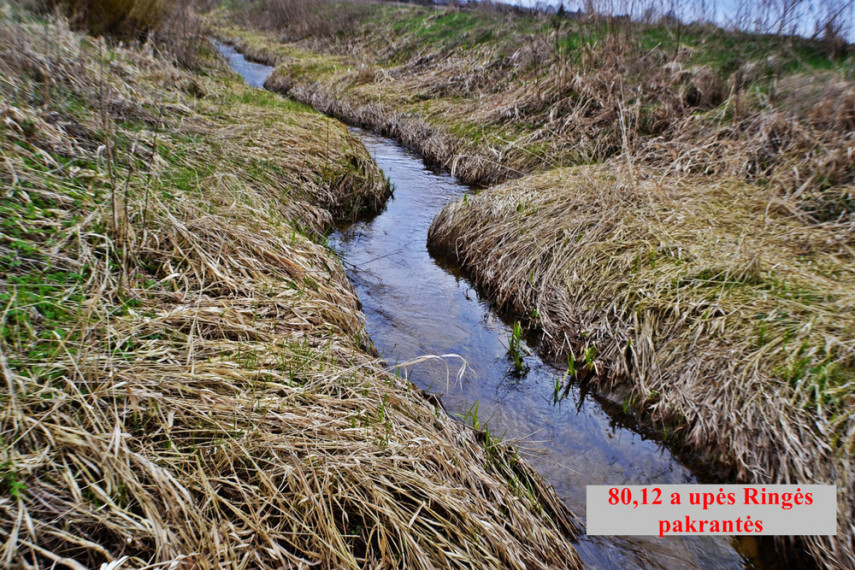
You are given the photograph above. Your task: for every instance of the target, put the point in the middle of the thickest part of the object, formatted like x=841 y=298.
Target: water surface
x=417 y=306
x=255 y=74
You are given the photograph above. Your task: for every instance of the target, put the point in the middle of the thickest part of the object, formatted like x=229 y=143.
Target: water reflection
x=415 y=306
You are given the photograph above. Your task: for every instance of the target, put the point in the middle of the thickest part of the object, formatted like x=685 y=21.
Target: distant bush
x=125 y=19
x=173 y=25
x=299 y=18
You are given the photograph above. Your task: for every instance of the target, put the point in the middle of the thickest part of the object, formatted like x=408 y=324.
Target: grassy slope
x=183 y=374
x=493 y=96
x=704 y=273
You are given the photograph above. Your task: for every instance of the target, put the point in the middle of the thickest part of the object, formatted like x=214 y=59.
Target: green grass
x=516 y=349
x=448 y=29
x=265 y=99
x=724 y=51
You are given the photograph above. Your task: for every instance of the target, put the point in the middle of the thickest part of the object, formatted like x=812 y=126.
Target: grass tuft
x=727 y=319
x=185 y=380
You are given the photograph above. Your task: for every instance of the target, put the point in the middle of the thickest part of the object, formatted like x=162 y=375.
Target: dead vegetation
x=295 y=20
x=689 y=237
x=493 y=96
x=184 y=382
x=730 y=317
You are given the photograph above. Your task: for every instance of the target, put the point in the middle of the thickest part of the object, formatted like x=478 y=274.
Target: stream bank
x=416 y=305
x=184 y=381
x=721 y=316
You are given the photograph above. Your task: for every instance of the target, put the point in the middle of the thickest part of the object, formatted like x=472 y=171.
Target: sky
x=722 y=12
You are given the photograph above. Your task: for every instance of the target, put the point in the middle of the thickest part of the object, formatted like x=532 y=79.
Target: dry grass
x=364 y=94
x=296 y=20
x=706 y=306
x=184 y=383
x=703 y=273
x=493 y=96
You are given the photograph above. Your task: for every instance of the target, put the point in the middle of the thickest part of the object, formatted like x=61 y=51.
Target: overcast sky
x=722 y=12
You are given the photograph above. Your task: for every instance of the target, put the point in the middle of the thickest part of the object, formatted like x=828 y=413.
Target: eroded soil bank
x=186 y=380
x=705 y=277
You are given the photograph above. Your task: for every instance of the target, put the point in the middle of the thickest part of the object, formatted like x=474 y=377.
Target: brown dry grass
x=295 y=19
x=708 y=264
x=361 y=93
x=521 y=101
x=183 y=377
x=705 y=306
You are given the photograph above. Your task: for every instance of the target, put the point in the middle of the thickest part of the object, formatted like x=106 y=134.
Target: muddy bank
x=185 y=375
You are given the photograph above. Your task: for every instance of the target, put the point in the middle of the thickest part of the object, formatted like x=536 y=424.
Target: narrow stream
x=416 y=306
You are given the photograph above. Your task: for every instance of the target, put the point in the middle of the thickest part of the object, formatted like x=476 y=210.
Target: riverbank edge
x=437 y=146
x=227 y=331
x=442 y=148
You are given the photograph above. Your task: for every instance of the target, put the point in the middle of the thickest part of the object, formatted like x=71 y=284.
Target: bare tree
x=833 y=24
x=781 y=16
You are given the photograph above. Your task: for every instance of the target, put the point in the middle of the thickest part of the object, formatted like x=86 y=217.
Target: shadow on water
x=416 y=305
